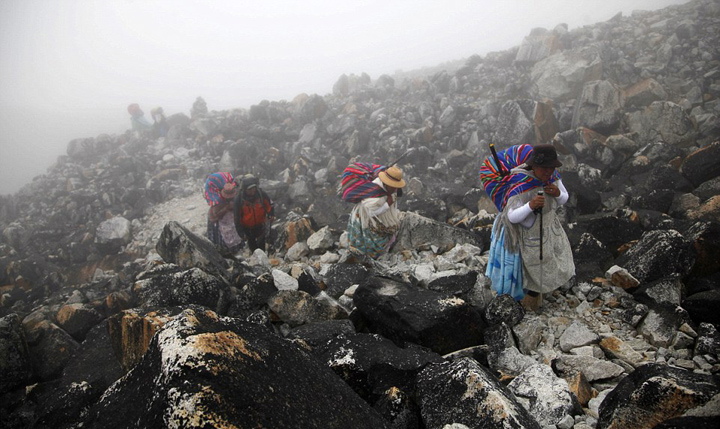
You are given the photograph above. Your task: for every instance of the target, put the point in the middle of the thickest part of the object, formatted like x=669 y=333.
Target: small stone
x=621 y=277
x=687 y=329
x=567 y=422
x=683 y=341
x=577 y=335
x=685 y=363
x=284 y=281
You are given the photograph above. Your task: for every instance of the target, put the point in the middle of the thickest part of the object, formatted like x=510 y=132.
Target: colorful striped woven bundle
x=497 y=181
x=214 y=184
x=356 y=182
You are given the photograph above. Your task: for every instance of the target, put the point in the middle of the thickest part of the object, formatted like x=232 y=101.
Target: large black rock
x=371 y=364
x=405 y=313
x=464 y=392
x=657 y=255
x=339 y=277
x=173 y=287
x=204 y=371
x=91 y=371
x=612 y=231
x=181 y=247
x=654 y=393
x=701 y=165
x=14 y=354
x=703 y=306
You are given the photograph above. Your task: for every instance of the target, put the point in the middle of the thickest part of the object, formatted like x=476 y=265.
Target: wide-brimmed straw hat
x=393 y=176
x=544 y=155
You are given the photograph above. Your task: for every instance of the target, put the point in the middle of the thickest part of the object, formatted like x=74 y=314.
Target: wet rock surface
x=115 y=307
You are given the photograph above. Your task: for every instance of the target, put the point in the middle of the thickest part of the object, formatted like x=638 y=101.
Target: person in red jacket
x=254 y=213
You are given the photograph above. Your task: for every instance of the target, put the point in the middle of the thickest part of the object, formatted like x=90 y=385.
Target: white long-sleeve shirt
x=524 y=214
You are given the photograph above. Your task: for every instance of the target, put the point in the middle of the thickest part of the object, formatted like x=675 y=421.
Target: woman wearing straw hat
x=374 y=222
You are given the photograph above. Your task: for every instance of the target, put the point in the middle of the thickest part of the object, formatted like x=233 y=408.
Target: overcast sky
x=69 y=68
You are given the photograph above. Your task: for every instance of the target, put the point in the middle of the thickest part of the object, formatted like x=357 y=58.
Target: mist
x=69 y=68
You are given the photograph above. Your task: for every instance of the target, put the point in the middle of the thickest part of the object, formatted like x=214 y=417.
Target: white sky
x=69 y=68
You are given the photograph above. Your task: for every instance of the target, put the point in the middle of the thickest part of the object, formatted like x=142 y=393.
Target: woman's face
x=543 y=173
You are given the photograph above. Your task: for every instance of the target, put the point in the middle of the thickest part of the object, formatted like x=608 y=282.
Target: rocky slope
x=115 y=312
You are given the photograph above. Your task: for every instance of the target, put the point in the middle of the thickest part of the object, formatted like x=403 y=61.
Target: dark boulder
x=703 y=306
x=399 y=409
x=456 y=284
x=309 y=282
x=179 y=246
x=504 y=308
x=339 y=277
x=252 y=297
x=169 y=288
x=197 y=363
x=320 y=333
x=431 y=208
x=592 y=259
x=708 y=340
x=706 y=241
x=612 y=231
x=371 y=364
x=15 y=368
x=701 y=165
x=52 y=351
x=462 y=392
x=659 y=254
x=656 y=199
x=78 y=319
x=690 y=422
x=664 y=291
x=654 y=393
x=664 y=176
x=296 y=307
x=91 y=371
x=405 y=313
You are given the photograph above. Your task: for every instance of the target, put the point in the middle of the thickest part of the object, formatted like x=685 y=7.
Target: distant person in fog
x=159 y=122
x=137 y=119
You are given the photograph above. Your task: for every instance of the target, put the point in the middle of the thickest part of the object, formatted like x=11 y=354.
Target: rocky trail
x=115 y=309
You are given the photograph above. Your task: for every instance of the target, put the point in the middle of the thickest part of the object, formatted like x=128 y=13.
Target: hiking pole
x=501 y=167
x=539 y=212
x=407 y=152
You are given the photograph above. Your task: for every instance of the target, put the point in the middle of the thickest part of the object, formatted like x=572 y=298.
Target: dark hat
x=249 y=181
x=544 y=155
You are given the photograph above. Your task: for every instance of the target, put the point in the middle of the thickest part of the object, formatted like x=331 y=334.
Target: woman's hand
x=538 y=201
x=218 y=211
x=552 y=190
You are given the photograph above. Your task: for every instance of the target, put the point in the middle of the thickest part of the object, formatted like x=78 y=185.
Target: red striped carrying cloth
x=356 y=182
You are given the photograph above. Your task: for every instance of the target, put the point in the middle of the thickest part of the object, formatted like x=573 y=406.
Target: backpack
x=356 y=182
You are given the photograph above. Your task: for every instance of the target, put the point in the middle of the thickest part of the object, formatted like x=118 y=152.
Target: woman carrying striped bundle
x=375 y=219
x=530 y=254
